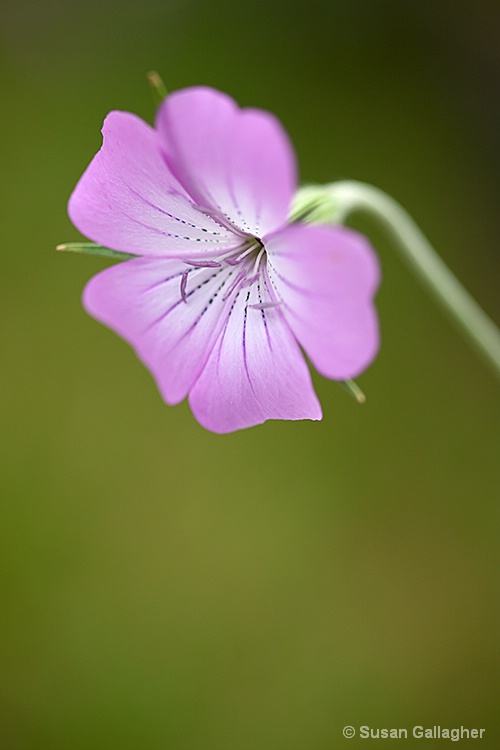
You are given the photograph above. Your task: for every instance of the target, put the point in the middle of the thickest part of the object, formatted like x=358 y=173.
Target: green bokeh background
x=163 y=587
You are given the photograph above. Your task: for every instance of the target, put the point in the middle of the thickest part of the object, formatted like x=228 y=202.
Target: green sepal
x=158 y=88
x=90 y=248
x=354 y=390
x=314 y=204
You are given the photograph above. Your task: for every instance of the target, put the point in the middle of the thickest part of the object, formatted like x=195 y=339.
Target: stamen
x=203 y=263
x=242 y=255
x=184 y=279
x=246 y=252
x=235 y=283
x=232 y=261
x=264 y=305
x=250 y=281
x=259 y=256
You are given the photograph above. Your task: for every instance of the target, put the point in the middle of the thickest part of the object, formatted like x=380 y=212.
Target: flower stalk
x=335 y=202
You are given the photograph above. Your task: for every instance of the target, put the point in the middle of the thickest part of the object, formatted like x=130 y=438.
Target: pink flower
x=223 y=290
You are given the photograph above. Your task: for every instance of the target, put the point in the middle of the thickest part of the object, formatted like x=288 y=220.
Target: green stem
x=334 y=202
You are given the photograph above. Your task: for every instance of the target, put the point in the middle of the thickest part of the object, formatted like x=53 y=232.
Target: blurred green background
x=164 y=587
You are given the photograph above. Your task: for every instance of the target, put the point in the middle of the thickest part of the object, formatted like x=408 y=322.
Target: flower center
x=248 y=256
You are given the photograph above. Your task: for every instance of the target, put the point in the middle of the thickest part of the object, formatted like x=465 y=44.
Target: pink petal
x=129 y=200
x=255 y=371
x=326 y=278
x=141 y=301
x=238 y=162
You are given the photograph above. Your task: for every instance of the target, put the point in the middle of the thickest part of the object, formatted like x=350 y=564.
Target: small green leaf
x=90 y=248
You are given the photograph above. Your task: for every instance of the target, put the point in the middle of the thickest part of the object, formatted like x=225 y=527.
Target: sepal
x=90 y=248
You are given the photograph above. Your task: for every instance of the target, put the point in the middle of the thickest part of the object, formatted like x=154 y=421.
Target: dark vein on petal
x=236 y=205
x=166 y=280
x=178 y=302
x=264 y=315
x=301 y=290
x=245 y=343
x=223 y=333
x=173 y=216
x=161 y=232
x=210 y=301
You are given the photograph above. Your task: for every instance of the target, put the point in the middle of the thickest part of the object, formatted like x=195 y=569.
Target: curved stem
x=336 y=201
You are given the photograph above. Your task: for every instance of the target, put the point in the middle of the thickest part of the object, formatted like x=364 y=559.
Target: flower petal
x=326 y=278
x=238 y=162
x=255 y=371
x=141 y=301
x=128 y=199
